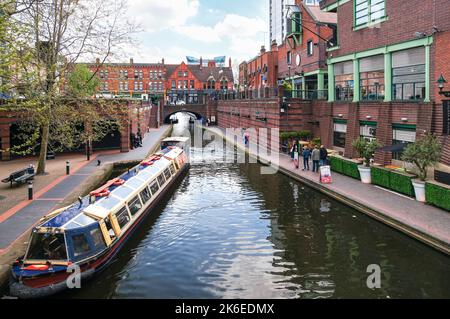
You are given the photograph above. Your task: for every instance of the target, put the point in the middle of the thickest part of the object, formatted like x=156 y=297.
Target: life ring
x=103 y=194
x=119 y=182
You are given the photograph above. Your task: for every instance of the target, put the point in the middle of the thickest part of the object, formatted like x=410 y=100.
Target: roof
x=326 y=3
x=204 y=73
x=321 y=16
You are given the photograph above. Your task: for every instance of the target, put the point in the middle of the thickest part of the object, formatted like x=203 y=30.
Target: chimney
x=263 y=49
x=131 y=61
x=211 y=64
x=274 y=46
x=229 y=62
x=163 y=61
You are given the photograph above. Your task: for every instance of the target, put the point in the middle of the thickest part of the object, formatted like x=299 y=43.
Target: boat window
x=145 y=175
x=108 y=203
x=84 y=220
x=154 y=187
x=172 y=169
x=122 y=217
x=146 y=195
x=80 y=245
x=110 y=228
x=135 y=183
x=97 y=238
x=167 y=174
x=47 y=247
x=135 y=205
x=123 y=192
x=161 y=180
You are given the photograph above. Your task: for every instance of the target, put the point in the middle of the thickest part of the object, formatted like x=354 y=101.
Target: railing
x=372 y=92
x=306 y=94
x=416 y=91
x=344 y=94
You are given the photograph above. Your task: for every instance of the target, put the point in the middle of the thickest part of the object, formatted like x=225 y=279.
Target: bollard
x=67 y=168
x=30 y=190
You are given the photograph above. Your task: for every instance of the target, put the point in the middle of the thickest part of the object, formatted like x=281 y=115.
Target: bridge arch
x=198 y=116
x=199 y=110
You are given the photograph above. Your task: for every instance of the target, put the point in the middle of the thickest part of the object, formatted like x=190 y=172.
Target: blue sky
x=174 y=29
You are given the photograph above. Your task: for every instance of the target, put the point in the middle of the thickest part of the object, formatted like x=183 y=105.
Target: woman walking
x=295 y=151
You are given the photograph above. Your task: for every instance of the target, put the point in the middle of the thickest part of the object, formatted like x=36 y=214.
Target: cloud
x=157 y=15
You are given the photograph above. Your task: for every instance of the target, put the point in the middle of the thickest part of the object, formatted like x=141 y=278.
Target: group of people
x=136 y=139
x=318 y=156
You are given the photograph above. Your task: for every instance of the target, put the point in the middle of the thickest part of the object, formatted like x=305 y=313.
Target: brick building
x=383 y=72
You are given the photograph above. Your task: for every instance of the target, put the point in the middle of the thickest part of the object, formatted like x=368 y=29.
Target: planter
x=365 y=173
x=419 y=189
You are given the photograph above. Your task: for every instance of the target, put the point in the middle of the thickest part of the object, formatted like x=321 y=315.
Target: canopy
x=394 y=148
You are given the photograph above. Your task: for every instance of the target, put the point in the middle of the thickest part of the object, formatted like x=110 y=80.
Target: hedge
x=395 y=181
x=344 y=166
x=438 y=195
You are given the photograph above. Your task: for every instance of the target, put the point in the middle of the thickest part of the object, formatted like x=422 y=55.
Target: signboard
x=325 y=175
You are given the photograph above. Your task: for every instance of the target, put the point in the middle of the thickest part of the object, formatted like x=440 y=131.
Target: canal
x=229 y=232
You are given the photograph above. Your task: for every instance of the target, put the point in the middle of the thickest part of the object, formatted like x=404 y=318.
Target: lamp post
x=441 y=83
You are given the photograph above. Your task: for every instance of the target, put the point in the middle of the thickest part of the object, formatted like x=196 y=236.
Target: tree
x=424 y=153
x=55 y=35
x=366 y=149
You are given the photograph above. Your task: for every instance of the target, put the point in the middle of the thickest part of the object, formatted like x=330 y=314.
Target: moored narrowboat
x=89 y=233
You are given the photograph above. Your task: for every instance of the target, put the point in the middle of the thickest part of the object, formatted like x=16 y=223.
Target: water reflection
x=229 y=232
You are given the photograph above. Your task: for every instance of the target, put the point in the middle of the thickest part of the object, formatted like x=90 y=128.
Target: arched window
x=211 y=84
x=224 y=83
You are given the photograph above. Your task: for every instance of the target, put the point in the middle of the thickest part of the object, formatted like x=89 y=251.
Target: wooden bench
x=21 y=177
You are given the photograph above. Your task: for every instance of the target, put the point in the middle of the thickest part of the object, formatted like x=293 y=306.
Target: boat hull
x=50 y=284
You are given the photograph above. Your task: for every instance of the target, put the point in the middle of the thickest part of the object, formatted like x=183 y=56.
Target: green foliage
x=285 y=135
x=317 y=141
x=424 y=153
x=393 y=180
x=343 y=166
x=81 y=82
x=305 y=134
x=438 y=195
x=366 y=149
x=287 y=85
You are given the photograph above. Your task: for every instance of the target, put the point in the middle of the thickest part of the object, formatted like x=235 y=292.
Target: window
x=167 y=174
x=344 y=81
x=154 y=187
x=161 y=180
x=192 y=84
x=172 y=170
x=289 y=58
x=180 y=74
x=404 y=136
x=340 y=133
x=146 y=195
x=372 y=78
x=186 y=74
x=47 y=247
x=109 y=228
x=174 y=84
x=80 y=245
x=310 y=47
x=368 y=130
x=408 y=74
x=135 y=205
x=122 y=217
x=367 y=11
x=97 y=238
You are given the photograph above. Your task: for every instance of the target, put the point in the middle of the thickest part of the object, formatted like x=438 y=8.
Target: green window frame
x=368 y=11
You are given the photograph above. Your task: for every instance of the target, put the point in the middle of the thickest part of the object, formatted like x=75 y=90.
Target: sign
x=325 y=175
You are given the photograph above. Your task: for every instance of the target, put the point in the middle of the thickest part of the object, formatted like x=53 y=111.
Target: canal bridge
x=204 y=111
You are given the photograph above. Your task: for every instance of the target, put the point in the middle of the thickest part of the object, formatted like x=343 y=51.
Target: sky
x=174 y=29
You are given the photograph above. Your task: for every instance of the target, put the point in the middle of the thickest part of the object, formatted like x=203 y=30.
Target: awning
x=393 y=148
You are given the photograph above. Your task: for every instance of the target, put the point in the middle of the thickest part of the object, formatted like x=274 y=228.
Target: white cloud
x=157 y=15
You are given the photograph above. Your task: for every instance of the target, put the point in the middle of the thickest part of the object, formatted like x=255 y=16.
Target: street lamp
x=441 y=83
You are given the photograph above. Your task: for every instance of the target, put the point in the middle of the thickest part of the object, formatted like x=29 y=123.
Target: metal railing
x=343 y=94
x=372 y=92
x=306 y=94
x=417 y=89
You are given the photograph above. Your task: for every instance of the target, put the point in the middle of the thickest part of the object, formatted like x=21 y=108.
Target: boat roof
x=84 y=214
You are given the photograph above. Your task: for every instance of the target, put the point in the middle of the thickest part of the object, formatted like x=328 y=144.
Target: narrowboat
x=89 y=233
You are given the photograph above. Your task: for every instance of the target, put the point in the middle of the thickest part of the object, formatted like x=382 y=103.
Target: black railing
x=344 y=94
x=372 y=92
x=306 y=94
x=414 y=91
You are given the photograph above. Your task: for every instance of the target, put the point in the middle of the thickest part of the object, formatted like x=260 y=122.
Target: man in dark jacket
x=323 y=156
x=306 y=156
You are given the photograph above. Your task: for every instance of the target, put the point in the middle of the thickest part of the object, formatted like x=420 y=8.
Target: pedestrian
x=139 y=138
x=247 y=138
x=290 y=148
x=306 y=156
x=323 y=156
x=132 y=140
x=295 y=151
x=316 y=158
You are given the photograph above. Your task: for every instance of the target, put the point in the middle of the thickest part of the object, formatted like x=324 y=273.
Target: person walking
x=295 y=151
x=316 y=159
x=306 y=156
x=323 y=156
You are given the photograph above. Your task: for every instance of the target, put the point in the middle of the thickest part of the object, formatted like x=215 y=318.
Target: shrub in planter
x=336 y=164
x=350 y=169
x=366 y=150
x=438 y=195
x=402 y=183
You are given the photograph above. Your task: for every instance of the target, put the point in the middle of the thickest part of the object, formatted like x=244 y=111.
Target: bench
x=21 y=177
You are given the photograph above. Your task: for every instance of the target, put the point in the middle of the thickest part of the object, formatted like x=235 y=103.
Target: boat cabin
x=85 y=230
x=182 y=142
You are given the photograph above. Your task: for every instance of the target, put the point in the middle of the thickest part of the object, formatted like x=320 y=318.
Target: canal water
x=227 y=231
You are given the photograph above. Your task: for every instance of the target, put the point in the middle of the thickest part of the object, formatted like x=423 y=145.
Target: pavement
x=19 y=219
x=424 y=222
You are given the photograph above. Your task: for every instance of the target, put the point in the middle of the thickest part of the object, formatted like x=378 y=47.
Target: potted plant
x=366 y=149
x=424 y=154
